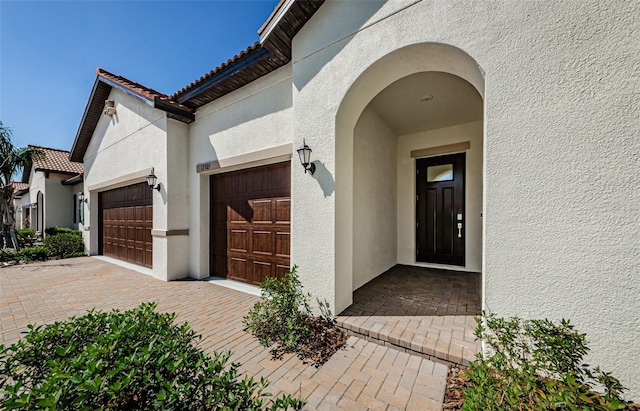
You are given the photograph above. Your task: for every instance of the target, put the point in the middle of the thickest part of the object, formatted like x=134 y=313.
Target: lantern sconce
x=305 y=158
x=81 y=197
x=151 y=181
x=109 y=108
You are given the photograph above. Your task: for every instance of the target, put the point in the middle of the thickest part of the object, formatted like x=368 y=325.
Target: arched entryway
x=409 y=195
x=424 y=101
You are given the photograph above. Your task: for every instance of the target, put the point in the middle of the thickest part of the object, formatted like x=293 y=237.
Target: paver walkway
x=419 y=310
x=363 y=376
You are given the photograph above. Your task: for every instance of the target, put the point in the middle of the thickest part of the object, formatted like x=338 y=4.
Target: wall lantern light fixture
x=109 y=108
x=305 y=158
x=151 y=181
x=81 y=197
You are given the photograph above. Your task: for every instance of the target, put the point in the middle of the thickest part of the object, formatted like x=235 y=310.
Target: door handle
x=459 y=230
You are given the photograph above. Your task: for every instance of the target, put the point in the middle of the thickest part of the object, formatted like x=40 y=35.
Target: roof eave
x=251 y=58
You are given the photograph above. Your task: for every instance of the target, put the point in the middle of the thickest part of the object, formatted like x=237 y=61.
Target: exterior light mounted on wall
x=109 y=108
x=151 y=181
x=81 y=197
x=305 y=158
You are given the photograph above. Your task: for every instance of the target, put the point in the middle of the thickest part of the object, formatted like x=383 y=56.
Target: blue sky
x=49 y=51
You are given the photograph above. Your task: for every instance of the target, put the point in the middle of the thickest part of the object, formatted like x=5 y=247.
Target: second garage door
x=126 y=216
x=250 y=217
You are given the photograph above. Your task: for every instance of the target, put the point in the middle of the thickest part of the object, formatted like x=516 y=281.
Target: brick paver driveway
x=363 y=376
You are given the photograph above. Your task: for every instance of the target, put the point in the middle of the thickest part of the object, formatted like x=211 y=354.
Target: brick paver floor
x=419 y=310
x=363 y=376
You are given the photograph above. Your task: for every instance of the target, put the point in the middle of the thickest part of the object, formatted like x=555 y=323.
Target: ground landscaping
x=57 y=243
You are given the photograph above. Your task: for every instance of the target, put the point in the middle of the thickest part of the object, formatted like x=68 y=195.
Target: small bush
x=281 y=315
x=283 y=318
x=27 y=237
x=64 y=245
x=132 y=360
x=37 y=253
x=62 y=230
x=536 y=365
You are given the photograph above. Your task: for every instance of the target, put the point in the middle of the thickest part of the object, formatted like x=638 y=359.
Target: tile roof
x=19 y=186
x=138 y=88
x=231 y=61
x=57 y=161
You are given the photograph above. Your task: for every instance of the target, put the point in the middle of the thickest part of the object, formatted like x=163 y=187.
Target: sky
x=49 y=52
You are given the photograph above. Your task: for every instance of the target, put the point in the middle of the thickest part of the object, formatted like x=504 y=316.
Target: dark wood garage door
x=126 y=216
x=250 y=216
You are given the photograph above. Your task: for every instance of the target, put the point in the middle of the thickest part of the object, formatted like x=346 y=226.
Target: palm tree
x=12 y=160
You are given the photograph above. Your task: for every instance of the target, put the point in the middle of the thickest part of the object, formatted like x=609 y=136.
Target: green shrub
x=27 y=237
x=37 y=253
x=64 y=244
x=62 y=230
x=132 y=360
x=8 y=255
x=281 y=316
x=536 y=365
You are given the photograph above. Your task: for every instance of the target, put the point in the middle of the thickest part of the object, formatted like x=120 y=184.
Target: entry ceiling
x=455 y=101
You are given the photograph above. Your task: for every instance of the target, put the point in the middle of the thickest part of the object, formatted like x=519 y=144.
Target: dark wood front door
x=126 y=220
x=440 y=210
x=250 y=218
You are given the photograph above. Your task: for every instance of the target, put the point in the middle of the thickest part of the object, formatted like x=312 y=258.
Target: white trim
x=124 y=264
x=122 y=181
x=234 y=285
x=267 y=156
x=275 y=20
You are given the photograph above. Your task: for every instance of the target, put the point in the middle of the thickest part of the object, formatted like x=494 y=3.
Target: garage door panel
x=127 y=220
x=262 y=211
x=283 y=244
x=261 y=269
x=263 y=242
x=250 y=217
x=238 y=241
x=239 y=212
x=238 y=268
x=283 y=210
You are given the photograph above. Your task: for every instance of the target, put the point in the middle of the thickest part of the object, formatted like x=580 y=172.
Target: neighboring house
x=493 y=137
x=19 y=189
x=51 y=197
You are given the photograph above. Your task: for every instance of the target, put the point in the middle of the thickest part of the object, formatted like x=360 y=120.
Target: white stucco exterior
x=50 y=203
x=255 y=119
x=553 y=166
x=123 y=150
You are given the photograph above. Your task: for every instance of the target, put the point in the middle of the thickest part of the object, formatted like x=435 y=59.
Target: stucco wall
x=58 y=202
x=132 y=141
x=254 y=118
x=561 y=149
x=37 y=184
x=471 y=132
x=374 y=204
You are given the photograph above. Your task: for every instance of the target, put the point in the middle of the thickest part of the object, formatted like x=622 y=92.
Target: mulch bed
x=456 y=380
x=323 y=340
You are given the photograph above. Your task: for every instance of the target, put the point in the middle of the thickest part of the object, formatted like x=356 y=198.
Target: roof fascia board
x=127 y=90
x=273 y=23
x=226 y=73
x=84 y=115
x=164 y=106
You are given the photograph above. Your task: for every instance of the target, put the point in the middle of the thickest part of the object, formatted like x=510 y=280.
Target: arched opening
x=423 y=101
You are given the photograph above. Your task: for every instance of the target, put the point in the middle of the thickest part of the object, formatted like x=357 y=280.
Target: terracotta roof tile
x=216 y=70
x=19 y=186
x=58 y=161
x=138 y=88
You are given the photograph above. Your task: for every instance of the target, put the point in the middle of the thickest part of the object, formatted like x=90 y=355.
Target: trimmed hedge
x=132 y=360
x=62 y=230
x=64 y=245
